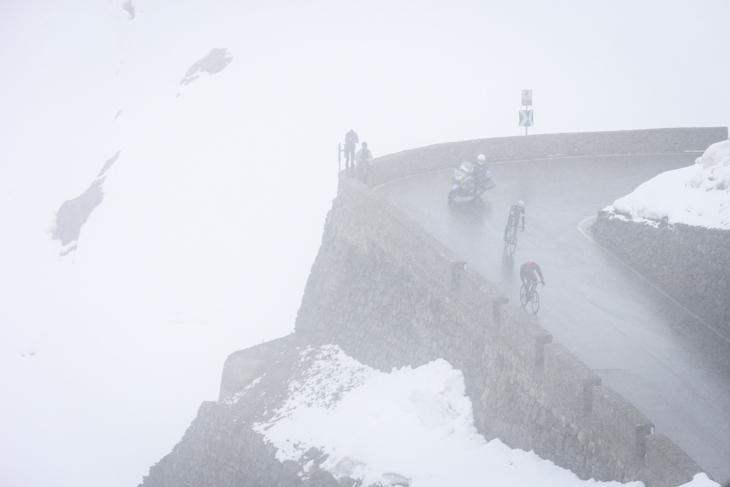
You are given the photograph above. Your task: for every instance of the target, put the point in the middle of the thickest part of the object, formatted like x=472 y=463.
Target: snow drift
x=410 y=427
x=697 y=195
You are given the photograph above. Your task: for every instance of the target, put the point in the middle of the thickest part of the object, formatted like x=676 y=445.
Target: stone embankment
x=689 y=263
x=390 y=295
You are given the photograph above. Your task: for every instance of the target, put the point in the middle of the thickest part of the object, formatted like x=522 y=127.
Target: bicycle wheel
x=523 y=296
x=512 y=240
x=535 y=301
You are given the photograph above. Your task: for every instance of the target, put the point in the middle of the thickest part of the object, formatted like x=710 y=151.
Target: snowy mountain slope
x=107 y=352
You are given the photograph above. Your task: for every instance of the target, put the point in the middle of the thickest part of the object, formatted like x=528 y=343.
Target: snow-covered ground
x=213 y=210
x=697 y=195
x=407 y=427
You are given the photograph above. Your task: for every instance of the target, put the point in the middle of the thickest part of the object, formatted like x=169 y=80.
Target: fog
x=213 y=212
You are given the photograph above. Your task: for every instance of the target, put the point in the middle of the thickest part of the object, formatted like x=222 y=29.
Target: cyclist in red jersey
x=529 y=272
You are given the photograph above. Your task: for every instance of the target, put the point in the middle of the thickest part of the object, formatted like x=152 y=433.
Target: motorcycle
x=463 y=183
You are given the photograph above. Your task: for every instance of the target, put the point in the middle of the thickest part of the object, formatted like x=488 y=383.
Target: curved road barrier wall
x=390 y=295
x=446 y=155
x=691 y=264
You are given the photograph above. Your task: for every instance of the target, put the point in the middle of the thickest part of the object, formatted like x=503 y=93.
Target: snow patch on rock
x=408 y=427
x=697 y=195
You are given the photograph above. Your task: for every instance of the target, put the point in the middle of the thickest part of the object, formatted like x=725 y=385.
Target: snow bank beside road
x=698 y=195
x=409 y=427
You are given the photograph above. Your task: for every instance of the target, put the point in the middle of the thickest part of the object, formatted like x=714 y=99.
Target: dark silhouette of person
x=529 y=272
x=515 y=212
x=351 y=140
x=363 y=157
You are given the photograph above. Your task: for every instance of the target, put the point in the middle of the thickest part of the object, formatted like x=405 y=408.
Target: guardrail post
x=340 y=150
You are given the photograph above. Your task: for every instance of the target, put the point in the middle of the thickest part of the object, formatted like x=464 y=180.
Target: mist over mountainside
x=221 y=121
x=140 y=251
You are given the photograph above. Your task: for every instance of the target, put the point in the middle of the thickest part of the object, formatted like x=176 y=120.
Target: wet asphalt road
x=673 y=368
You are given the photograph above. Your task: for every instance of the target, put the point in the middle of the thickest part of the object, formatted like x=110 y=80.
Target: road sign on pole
x=526 y=118
x=526 y=98
x=526 y=115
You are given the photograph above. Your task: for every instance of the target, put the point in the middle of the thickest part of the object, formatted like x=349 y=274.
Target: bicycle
x=528 y=294
x=510 y=242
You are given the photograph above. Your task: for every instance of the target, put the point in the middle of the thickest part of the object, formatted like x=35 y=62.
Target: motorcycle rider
x=480 y=172
x=514 y=218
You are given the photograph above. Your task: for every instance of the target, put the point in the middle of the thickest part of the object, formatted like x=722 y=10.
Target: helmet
x=481 y=159
x=521 y=204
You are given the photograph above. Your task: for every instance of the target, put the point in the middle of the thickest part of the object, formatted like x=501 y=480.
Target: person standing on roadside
x=363 y=158
x=351 y=140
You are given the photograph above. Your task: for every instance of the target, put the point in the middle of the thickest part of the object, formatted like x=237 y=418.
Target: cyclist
x=514 y=218
x=528 y=274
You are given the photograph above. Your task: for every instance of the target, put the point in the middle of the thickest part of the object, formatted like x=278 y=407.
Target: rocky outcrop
x=73 y=214
x=221 y=449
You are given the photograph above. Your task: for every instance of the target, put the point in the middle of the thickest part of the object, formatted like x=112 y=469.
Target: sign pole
x=526 y=114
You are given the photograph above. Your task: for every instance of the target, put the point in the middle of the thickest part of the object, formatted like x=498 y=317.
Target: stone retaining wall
x=390 y=295
x=691 y=264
